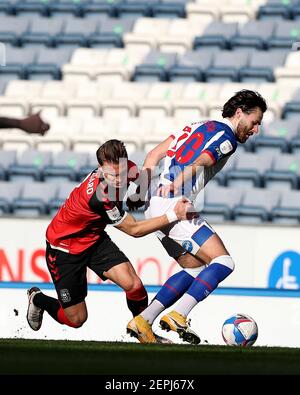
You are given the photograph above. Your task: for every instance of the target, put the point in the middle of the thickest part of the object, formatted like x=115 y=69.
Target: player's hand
x=185 y=210
x=34 y=124
x=134 y=204
x=167 y=190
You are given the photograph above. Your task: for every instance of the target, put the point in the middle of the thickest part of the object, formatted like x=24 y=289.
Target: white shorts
x=190 y=235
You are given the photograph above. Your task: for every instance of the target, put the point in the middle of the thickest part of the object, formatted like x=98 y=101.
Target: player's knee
x=133 y=284
x=224 y=260
x=78 y=319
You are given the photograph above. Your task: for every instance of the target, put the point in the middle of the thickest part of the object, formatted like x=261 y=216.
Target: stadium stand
x=138 y=70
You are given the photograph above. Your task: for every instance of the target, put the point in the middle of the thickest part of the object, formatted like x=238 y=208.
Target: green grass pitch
x=20 y=356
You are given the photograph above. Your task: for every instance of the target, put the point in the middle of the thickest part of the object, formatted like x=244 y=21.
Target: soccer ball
x=240 y=330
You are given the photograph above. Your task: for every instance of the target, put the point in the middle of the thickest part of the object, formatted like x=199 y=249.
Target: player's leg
x=109 y=262
x=219 y=266
x=68 y=273
x=178 y=283
x=125 y=276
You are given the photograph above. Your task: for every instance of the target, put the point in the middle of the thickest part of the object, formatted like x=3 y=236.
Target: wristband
x=171 y=216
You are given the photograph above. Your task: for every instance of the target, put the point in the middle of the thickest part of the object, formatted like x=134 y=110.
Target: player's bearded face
x=248 y=125
x=115 y=174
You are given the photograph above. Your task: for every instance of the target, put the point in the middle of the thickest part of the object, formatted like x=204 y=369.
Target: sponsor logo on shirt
x=114 y=214
x=226 y=147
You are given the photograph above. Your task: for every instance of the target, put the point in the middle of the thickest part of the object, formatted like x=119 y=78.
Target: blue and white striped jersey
x=215 y=138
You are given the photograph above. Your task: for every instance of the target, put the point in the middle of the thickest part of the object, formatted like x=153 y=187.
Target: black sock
x=47 y=303
x=137 y=306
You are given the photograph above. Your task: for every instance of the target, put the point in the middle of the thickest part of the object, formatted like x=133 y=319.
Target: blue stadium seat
x=155 y=67
x=17 y=60
x=284 y=173
x=65 y=166
x=34 y=198
x=110 y=33
x=219 y=202
x=135 y=8
x=67 y=7
x=169 y=9
x=191 y=66
x=12 y=28
x=248 y=170
x=29 y=166
x=9 y=191
x=7 y=7
x=292 y=108
x=98 y=8
x=276 y=136
x=256 y=206
x=286 y=33
x=91 y=164
x=48 y=64
x=63 y=191
x=226 y=66
x=7 y=158
x=275 y=9
x=261 y=66
x=288 y=210
x=76 y=32
x=217 y=34
x=32 y=7
x=42 y=32
x=253 y=34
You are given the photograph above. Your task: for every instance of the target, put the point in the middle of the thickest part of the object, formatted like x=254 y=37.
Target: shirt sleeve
x=220 y=148
x=111 y=212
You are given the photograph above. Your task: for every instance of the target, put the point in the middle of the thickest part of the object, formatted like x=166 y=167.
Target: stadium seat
x=66 y=7
x=253 y=34
x=65 y=165
x=32 y=7
x=191 y=66
x=292 y=108
x=9 y=191
x=169 y=9
x=219 y=202
x=110 y=33
x=286 y=33
x=7 y=158
x=48 y=64
x=135 y=8
x=42 y=32
x=284 y=173
x=261 y=66
x=217 y=34
x=226 y=66
x=288 y=210
x=274 y=9
x=154 y=67
x=256 y=205
x=29 y=166
x=34 y=198
x=12 y=29
x=63 y=191
x=17 y=61
x=276 y=136
x=99 y=8
x=75 y=32
x=290 y=72
x=249 y=170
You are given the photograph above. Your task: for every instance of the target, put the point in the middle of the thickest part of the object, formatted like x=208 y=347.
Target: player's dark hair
x=111 y=151
x=246 y=100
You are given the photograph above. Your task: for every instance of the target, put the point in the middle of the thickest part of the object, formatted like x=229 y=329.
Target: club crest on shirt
x=226 y=147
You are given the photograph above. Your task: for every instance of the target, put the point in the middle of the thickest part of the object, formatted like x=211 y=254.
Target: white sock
x=152 y=311
x=185 y=304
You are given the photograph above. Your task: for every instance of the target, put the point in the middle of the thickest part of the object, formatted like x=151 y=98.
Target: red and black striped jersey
x=90 y=207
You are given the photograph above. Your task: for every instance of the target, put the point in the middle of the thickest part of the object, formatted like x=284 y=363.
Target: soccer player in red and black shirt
x=76 y=240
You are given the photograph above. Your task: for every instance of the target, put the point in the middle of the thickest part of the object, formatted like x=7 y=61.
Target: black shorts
x=68 y=271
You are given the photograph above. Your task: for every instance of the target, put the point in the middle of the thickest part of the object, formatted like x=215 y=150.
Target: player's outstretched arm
x=32 y=124
x=134 y=228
